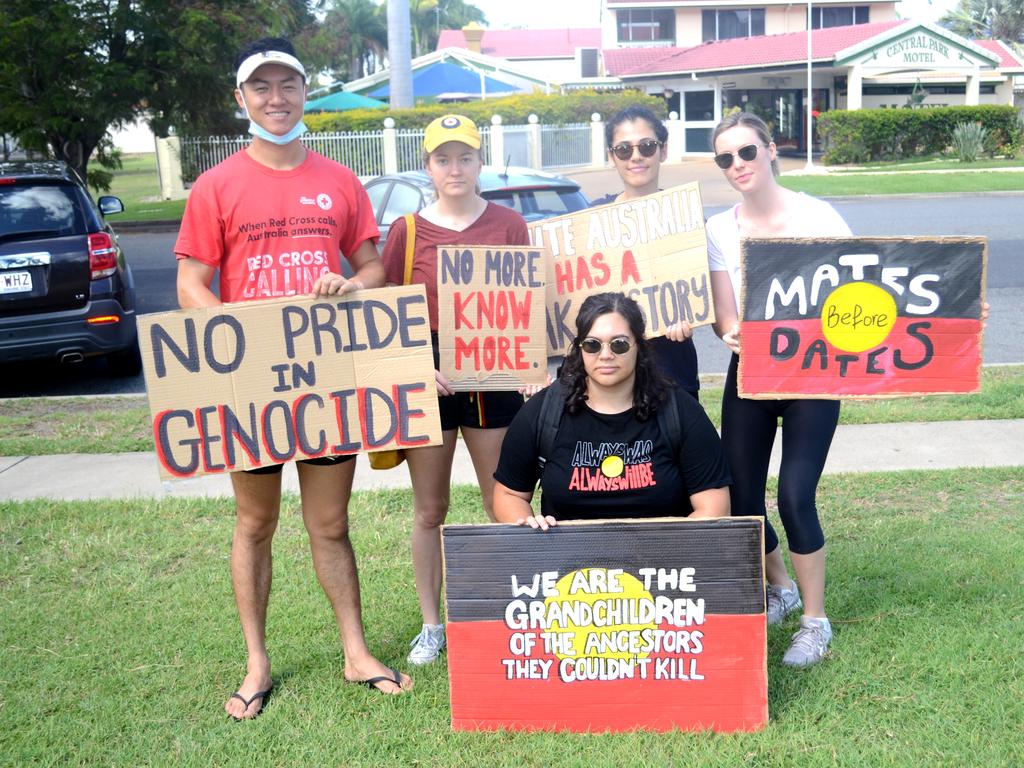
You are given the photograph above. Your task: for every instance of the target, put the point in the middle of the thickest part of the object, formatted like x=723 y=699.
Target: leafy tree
x=72 y=69
x=999 y=19
x=429 y=17
x=363 y=35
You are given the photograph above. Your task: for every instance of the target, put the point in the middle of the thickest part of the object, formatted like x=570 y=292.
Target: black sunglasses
x=724 y=159
x=618 y=346
x=647 y=148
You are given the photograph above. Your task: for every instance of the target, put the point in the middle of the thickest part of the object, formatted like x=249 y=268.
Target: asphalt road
x=997 y=216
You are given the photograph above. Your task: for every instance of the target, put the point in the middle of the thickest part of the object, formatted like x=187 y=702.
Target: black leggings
x=748 y=432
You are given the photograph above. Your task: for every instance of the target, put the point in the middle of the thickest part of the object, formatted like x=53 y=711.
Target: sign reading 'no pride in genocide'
x=654 y=624
x=246 y=385
x=652 y=249
x=490 y=305
x=861 y=317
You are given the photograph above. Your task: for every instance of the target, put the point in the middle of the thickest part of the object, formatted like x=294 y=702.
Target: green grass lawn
x=931 y=164
x=38 y=426
x=838 y=184
x=119 y=642
x=137 y=184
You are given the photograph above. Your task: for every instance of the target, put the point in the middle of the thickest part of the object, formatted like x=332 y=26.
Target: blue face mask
x=262 y=133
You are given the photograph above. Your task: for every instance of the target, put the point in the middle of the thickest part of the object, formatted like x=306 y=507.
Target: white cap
x=257 y=60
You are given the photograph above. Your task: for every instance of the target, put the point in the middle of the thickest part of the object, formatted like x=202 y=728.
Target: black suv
x=66 y=291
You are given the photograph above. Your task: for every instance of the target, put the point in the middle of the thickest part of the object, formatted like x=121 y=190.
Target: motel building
x=705 y=58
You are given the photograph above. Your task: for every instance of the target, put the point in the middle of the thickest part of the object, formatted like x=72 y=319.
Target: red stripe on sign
x=918 y=357
x=717 y=680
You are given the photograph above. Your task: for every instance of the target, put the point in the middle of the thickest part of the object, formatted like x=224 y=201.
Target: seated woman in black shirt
x=610 y=458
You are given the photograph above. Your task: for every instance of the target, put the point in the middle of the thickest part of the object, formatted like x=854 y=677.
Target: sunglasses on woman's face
x=724 y=159
x=647 y=148
x=618 y=346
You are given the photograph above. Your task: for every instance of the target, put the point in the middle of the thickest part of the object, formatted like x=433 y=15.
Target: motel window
x=823 y=17
x=698 y=140
x=639 y=25
x=721 y=24
x=699 y=105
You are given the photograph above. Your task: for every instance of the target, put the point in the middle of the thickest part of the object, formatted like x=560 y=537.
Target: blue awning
x=342 y=100
x=449 y=80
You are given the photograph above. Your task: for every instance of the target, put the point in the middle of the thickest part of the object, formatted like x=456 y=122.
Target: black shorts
x=321 y=461
x=479 y=410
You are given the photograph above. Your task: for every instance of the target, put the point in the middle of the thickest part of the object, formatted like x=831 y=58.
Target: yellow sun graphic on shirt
x=612 y=466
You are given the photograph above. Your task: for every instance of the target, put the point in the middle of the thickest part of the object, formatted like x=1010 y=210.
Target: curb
x=157 y=225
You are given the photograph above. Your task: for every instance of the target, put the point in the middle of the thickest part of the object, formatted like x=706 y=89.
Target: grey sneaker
x=810 y=643
x=782 y=602
x=427 y=645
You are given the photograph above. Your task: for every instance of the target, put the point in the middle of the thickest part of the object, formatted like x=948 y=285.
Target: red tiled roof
x=1007 y=58
x=744 y=52
x=526 y=43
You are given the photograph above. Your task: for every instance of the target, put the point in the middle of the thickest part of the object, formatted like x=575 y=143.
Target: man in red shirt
x=274 y=220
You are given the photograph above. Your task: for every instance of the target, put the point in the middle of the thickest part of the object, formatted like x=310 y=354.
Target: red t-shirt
x=273 y=233
x=497 y=225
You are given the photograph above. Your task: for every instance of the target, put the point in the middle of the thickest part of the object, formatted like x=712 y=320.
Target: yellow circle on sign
x=606 y=635
x=612 y=466
x=858 y=316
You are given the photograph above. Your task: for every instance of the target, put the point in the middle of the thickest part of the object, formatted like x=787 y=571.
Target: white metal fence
x=565 y=145
x=362 y=152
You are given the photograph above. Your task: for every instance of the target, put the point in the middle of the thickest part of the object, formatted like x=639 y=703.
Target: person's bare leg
x=257 y=505
x=431 y=471
x=810 y=575
x=325 y=495
x=484 y=449
x=775 y=569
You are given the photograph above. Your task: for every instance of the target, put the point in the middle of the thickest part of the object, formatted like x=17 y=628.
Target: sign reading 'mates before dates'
x=652 y=249
x=607 y=626
x=490 y=306
x=861 y=317
x=247 y=385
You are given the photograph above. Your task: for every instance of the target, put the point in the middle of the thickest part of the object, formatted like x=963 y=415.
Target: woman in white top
x=747 y=155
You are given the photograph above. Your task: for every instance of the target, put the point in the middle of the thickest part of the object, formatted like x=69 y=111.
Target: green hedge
x=865 y=135
x=556 y=109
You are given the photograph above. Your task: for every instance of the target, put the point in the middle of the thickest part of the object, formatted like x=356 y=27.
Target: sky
x=552 y=14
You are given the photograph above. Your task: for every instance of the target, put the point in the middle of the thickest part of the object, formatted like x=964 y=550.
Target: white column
x=676 y=136
x=854 y=87
x=533 y=145
x=497 y=157
x=168 y=167
x=972 y=96
x=598 y=154
x=390 y=140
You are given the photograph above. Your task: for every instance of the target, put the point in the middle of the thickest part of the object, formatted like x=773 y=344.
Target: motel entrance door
x=783 y=111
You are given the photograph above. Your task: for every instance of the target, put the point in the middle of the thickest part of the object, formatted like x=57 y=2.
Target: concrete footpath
x=861 y=448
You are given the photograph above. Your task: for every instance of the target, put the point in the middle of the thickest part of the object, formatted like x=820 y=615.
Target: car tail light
x=7 y=180
x=102 y=255
x=103 y=320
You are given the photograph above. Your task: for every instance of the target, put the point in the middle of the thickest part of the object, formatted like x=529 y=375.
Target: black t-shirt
x=676 y=359
x=614 y=465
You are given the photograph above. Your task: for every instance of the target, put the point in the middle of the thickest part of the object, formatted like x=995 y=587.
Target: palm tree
x=999 y=19
x=429 y=17
x=365 y=33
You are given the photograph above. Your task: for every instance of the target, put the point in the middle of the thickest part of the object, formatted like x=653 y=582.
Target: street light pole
x=808 y=138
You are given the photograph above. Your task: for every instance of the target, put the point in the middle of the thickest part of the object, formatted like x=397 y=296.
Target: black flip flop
x=372 y=682
x=262 y=695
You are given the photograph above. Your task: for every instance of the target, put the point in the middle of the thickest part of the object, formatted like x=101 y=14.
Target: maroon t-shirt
x=497 y=225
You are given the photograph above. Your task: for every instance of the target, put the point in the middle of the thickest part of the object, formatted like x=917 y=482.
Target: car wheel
x=127 y=362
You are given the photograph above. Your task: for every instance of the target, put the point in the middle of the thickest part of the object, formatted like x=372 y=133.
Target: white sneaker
x=810 y=643
x=781 y=602
x=427 y=645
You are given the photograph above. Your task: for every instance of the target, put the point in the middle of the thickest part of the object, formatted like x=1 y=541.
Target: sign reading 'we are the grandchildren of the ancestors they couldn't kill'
x=607 y=626
x=490 y=304
x=247 y=385
x=652 y=249
x=861 y=317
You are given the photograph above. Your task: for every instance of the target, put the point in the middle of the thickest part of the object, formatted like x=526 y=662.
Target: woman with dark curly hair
x=611 y=456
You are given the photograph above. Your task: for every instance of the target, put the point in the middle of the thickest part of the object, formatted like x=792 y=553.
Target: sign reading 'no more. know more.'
x=246 y=385
x=616 y=625
x=861 y=317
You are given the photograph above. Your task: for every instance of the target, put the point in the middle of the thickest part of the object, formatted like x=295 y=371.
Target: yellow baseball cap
x=451 y=128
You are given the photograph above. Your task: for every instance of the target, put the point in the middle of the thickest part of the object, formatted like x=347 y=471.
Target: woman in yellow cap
x=459 y=216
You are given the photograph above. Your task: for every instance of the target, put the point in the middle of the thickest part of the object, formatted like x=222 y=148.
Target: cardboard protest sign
x=246 y=385
x=861 y=317
x=615 y=625
x=490 y=306
x=652 y=249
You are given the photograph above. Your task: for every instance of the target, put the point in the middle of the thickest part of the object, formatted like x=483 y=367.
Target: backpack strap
x=551 y=412
x=410 y=246
x=668 y=423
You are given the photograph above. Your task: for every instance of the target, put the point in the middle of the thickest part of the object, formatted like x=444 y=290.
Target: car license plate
x=15 y=282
